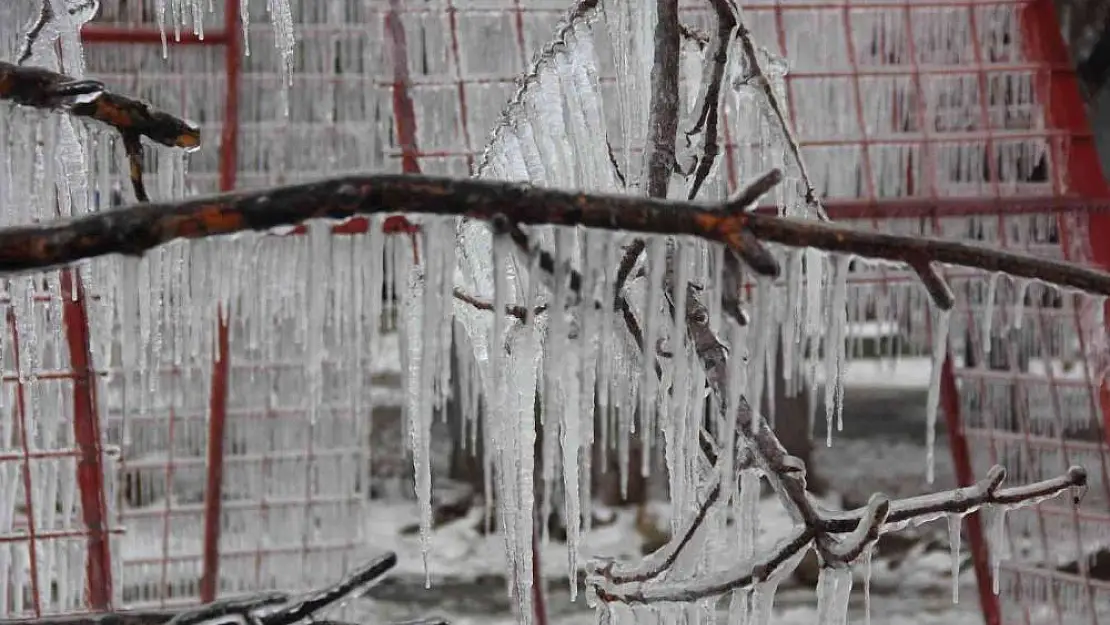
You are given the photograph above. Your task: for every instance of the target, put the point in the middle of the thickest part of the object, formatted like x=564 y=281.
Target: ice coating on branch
x=834 y=589
x=932 y=401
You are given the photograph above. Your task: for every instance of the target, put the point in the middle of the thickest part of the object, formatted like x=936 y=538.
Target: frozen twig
x=707 y=108
x=40 y=88
x=243 y=607
x=135 y=229
x=357 y=581
x=258 y=609
x=759 y=78
x=959 y=501
x=690 y=33
x=934 y=283
x=46 y=13
x=580 y=11
x=513 y=310
x=133 y=119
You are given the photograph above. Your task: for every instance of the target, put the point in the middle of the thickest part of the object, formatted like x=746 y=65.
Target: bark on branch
x=44 y=89
x=138 y=228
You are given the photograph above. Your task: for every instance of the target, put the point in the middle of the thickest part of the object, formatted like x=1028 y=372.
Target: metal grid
x=54 y=529
x=422 y=105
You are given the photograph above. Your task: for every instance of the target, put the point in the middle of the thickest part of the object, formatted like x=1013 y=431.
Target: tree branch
x=255 y=609
x=520 y=312
x=138 y=228
x=46 y=13
x=707 y=108
x=959 y=501
x=133 y=119
x=44 y=89
x=759 y=78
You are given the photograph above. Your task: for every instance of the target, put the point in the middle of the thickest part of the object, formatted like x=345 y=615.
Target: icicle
x=940 y=352
x=835 y=347
x=988 y=312
x=834 y=589
x=866 y=557
x=1020 y=290
x=747 y=523
x=954 y=521
x=996 y=534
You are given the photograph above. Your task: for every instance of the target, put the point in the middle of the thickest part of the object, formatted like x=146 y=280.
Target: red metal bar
x=32 y=536
x=965 y=476
x=404 y=114
x=229 y=135
x=213 y=491
x=217 y=401
x=86 y=430
x=1081 y=163
x=96 y=33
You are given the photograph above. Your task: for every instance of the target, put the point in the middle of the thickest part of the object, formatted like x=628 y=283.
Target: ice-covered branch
x=659 y=161
x=707 y=108
x=40 y=88
x=46 y=13
x=136 y=229
x=579 y=11
x=758 y=78
x=958 y=501
x=258 y=609
x=133 y=119
x=512 y=310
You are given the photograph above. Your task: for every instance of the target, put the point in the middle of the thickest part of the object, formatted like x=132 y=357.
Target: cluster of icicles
x=322 y=294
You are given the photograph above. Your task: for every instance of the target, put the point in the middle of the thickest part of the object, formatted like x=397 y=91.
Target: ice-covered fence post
x=86 y=430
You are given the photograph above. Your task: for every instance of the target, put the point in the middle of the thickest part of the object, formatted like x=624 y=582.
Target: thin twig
x=759 y=77
x=133 y=119
x=707 y=109
x=691 y=33
x=46 y=13
x=236 y=606
x=133 y=146
x=357 y=581
x=958 y=501
x=513 y=310
x=41 y=88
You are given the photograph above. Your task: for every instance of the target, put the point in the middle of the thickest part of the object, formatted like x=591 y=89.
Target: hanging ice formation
x=43 y=176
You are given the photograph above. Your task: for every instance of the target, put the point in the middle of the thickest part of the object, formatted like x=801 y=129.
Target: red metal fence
x=427 y=106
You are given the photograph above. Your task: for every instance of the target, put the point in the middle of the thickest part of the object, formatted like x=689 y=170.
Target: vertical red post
x=217 y=402
x=965 y=476
x=213 y=492
x=1076 y=160
x=86 y=430
x=404 y=113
